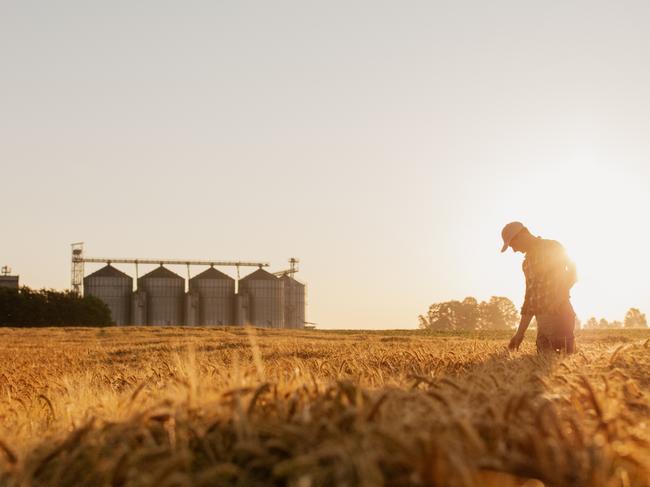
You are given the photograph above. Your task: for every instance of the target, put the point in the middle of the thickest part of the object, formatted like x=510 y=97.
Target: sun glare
x=593 y=211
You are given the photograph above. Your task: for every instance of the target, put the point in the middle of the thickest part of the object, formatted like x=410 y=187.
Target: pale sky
x=385 y=144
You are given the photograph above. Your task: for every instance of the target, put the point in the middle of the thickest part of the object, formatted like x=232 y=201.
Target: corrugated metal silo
x=294 y=302
x=217 y=292
x=114 y=287
x=192 y=308
x=139 y=308
x=266 y=299
x=165 y=295
x=241 y=309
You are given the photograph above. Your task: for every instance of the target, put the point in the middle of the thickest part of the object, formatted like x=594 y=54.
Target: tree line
x=633 y=319
x=499 y=313
x=27 y=307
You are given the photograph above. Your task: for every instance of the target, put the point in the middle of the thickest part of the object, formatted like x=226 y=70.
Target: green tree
x=499 y=313
x=635 y=319
x=451 y=315
x=467 y=314
x=26 y=307
x=442 y=316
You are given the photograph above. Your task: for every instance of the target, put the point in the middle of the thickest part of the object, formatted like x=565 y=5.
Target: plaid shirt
x=549 y=277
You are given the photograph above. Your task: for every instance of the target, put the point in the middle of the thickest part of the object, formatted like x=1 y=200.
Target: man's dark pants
x=555 y=330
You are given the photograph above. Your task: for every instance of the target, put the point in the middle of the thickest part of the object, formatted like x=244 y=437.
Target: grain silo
x=139 y=308
x=294 y=302
x=114 y=288
x=266 y=299
x=216 y=292
x=165 y=293
x=241 y=309
x=192 y=309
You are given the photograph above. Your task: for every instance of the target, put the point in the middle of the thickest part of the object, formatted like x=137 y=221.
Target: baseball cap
x=509 y=232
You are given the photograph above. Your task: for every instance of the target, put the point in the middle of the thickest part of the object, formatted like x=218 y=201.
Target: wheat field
x=249 y=407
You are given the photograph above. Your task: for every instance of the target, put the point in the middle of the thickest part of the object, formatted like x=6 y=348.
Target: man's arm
x=526 y=318
x=516 y=340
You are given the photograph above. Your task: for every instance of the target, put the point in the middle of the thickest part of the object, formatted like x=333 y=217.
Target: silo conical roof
x=108 y=271
x=162 y=272
x=288 y=279
x=212 y=273
x=260 y=275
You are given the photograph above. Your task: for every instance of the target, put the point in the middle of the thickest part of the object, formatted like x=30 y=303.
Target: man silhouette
x=549 y=274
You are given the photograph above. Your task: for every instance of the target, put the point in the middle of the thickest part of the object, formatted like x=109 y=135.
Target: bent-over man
x=549 y=274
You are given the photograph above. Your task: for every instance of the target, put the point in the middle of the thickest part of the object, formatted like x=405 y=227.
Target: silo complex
x=265 y=294
x=216 y=292
x=160 y=299
x=165 y=292
x=114 y=288
x=294 y=302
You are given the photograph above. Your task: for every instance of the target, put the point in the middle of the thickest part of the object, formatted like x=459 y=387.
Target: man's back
x=549 y=276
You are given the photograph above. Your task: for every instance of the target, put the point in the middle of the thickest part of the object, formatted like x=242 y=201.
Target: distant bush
x=27 y=307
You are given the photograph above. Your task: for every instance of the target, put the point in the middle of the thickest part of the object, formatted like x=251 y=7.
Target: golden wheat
x=191 y=406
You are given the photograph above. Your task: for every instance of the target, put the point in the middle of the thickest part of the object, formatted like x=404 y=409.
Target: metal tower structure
x=293 y=268
x=77 y=278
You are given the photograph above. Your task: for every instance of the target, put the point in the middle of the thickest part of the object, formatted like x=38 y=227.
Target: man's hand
x=515 y=341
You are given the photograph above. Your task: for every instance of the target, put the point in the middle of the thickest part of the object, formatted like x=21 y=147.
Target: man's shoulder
x=543 y=247
x=551 y=251
x=548 y=244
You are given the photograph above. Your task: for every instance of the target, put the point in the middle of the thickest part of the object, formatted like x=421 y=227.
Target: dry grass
x=177 y=406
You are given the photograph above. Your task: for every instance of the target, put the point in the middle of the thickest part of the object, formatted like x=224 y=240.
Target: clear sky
x=384 y=144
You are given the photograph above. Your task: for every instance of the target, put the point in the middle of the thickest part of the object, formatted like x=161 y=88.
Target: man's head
x=517 y=236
